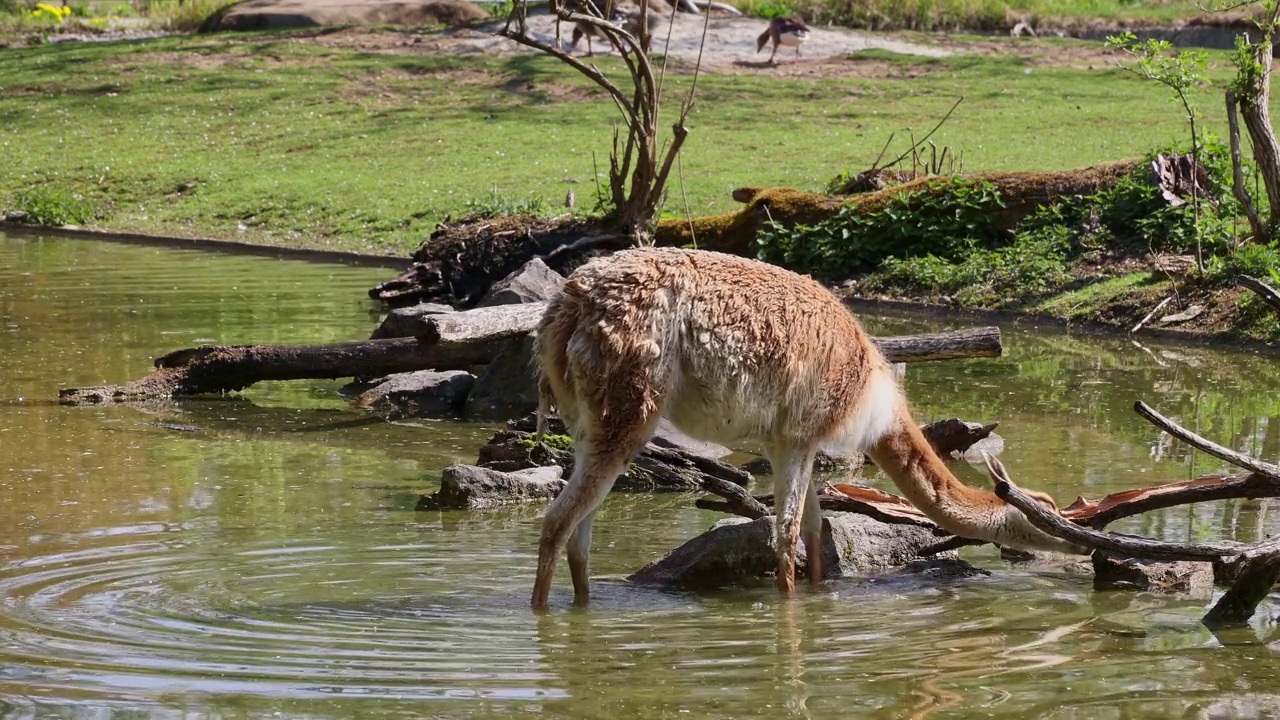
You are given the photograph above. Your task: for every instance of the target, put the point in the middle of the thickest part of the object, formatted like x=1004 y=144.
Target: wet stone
x=467 y=487
x=1111 y=573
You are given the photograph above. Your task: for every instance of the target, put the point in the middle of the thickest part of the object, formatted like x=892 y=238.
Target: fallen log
x=451 y=341
x=1022 y=193
x=226 y=368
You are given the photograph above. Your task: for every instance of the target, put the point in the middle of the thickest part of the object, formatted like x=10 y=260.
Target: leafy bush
x=53 y=206
x=1033 y=264
x=1261 y=261
x=947 y=220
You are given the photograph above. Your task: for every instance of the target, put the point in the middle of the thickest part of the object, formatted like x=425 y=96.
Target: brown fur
x=730 y=350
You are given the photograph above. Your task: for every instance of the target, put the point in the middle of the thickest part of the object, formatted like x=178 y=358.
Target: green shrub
x=948 y=219
x=1034 y=264
x=54 y=206
x=1261 y=261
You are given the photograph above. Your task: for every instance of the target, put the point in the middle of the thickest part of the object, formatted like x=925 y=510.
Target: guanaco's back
x=729 y=349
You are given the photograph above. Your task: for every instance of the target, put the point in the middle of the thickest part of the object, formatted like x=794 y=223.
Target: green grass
x=283 y=142
x=1086 y=301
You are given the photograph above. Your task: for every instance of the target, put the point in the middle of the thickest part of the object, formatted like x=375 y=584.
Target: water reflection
x=259 y=553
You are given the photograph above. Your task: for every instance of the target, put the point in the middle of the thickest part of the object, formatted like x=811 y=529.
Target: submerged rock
x=1111 y=573
x=425 y=393
x=736 y=551
x=467 y=487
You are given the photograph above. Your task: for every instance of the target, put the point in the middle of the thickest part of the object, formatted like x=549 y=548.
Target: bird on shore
x=790 y=31
x=624 y=14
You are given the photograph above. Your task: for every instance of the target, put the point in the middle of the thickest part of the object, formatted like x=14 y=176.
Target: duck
x=789 y=31
x=624 y=14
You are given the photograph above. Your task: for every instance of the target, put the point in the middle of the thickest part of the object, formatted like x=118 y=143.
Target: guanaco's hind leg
x=811 y=531
x=599 y=458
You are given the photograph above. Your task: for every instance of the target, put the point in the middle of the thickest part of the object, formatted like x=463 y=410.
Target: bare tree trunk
x=1237 y=173
x=1255 y=101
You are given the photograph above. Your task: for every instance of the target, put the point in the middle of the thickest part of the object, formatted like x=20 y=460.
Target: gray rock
x=403 y=322
x=992 y=445
x=822 y=463
x=425 y=393
x=533 y=282
x=736 y=551
x=467 y=487
x=508 y=386
x=944 y=569
x=16 y=216
x=1111 y=573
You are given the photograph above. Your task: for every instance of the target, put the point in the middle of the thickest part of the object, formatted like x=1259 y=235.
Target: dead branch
x=1268 y=294
x=1127 y=545
x=1238 y=459
x=886 y=508
x=1151 y=314
x=1127 y=503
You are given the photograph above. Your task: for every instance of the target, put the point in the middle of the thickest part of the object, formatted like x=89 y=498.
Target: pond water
x=259 y=554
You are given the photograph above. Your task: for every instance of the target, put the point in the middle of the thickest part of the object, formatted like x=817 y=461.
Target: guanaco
x=732 y=350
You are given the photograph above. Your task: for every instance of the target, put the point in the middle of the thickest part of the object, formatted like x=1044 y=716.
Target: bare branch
x=1127 y=503
x=1238 y=459
x=1129 y=545
x=578 y=65
x=1268 y=294
x=915 y=144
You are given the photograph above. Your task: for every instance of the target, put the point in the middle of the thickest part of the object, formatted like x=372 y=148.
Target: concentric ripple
x=162 y=614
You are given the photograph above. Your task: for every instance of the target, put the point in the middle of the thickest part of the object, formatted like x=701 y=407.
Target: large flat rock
x=264 y=14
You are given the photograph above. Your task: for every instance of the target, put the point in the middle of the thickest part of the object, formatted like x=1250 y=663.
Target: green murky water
x=266 y=559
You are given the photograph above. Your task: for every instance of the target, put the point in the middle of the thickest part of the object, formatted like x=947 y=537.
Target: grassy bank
x=350 y=140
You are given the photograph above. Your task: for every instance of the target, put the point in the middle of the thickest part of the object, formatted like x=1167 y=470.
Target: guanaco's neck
x=911 y=462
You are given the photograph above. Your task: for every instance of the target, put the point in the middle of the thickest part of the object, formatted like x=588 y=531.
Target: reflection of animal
x=624 y=14
x=732 y=350
x=791 y=32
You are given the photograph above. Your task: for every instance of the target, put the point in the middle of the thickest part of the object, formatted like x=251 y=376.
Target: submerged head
x=1018 y=532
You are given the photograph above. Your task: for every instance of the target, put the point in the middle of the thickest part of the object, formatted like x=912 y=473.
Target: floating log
x=226 y=368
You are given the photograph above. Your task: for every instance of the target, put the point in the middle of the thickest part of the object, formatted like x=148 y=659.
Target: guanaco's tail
x=551 y=353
